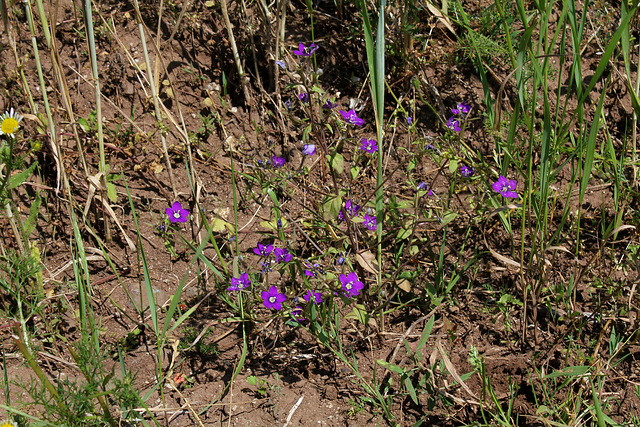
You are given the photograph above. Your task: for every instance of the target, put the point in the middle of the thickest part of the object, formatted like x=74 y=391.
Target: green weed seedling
x=263 y=387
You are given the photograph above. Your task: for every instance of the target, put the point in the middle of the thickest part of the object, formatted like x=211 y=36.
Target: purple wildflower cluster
x=274 y=299
x=280 y=254
x=351 y=208
x=276 y=162
x=460 y=113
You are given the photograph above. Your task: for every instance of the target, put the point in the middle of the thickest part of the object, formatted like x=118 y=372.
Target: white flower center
x=348 y=286
x=272 y=299
x=176 y=214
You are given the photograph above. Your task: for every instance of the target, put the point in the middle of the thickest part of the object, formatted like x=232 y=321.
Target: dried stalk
x=244 y=79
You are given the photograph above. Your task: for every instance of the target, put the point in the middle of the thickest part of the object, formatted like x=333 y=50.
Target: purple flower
x=265 y=267
x=288 y=104
x=263 y=250
x=467 y=171
x=278 y=162
x=272 y=298
x=340 y=259
x=295 y=314
x=309 y=149
x=282 y=255
x=369 y=145
x=424 y=187
x=506 y=187
x=351 y=285
x=329 y=105
x=454 y=124
x=461 y=108
x=351 y=209
x=312 y=269
x=176 y=213
x=305 y=51
x=370 y=221
x=239 y=283
x=281 y=64
x=315 y=297
x=409 y=120
x=351 y=117
x=304 y=98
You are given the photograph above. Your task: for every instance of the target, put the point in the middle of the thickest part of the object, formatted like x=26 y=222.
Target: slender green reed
x=376 y=60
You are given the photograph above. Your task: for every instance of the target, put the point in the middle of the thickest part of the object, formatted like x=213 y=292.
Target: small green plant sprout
x=260 y=384
x=89 y=125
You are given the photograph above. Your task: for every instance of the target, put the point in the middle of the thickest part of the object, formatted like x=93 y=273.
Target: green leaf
x=219 y=225
x=411 y=390
x=355 y=170
x=331 y=208
x=84 y=124
x=449 y=217
x=32 y=221
x=20 y=177
x=412 y=164
x=570 y=371
x=403 y=233
x=509 y=299
x=305 y=134
x=391 y=367
x=111 y=192
x=359 y=313
x=336 y=161
x=453 y=166
x=426 y=332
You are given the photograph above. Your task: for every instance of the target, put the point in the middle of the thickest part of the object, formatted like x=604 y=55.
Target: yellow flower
x=9 y=126
x=8 y=423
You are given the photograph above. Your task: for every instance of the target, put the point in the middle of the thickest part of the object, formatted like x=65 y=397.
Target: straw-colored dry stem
x=244 y=79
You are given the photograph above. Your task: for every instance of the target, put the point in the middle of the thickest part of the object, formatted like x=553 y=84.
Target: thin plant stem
x=244 y=80
x=87 y=16
x=154 y=96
